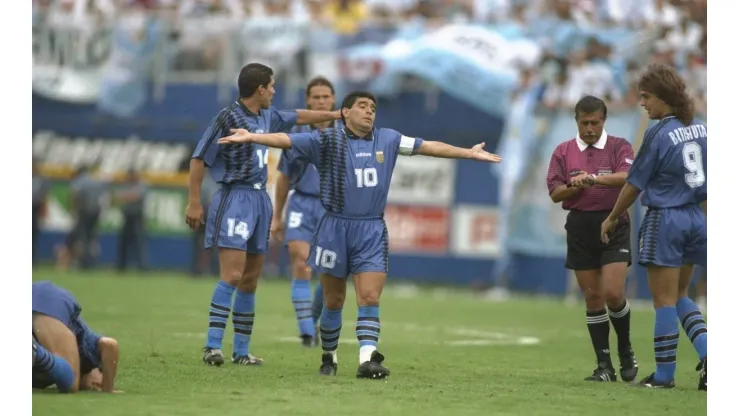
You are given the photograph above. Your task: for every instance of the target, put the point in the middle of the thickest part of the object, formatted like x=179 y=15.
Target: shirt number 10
x=367 y=177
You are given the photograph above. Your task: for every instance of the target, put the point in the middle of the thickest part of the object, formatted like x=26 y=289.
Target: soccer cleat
x=651 y=383
x=213 y=356
x=628 y=365
x=702 y=369
x=248 y=359
x=328 y=366
x=308 y=341
x=374 y=368
x=604 y=372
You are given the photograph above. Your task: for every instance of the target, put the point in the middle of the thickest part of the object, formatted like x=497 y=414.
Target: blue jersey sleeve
x=306 y=146
x=88 y=341
x=646 y=162
x=207 y=147
x=281 y=121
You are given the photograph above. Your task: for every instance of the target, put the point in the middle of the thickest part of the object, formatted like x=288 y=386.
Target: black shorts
x=585 y=249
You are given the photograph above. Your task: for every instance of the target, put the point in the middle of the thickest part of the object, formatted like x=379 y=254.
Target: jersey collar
x=600 y=144
x=370 y=136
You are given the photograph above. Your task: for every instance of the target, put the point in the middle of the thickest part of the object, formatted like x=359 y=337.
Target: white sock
x=333 y=355
x=365 y=352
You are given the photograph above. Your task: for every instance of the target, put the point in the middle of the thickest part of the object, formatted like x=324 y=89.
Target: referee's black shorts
x=585 y=249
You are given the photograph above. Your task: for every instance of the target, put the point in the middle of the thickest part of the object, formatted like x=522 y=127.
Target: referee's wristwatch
x=593 y=179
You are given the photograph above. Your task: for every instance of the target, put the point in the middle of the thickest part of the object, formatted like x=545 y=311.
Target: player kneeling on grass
x=355 y=164
x=66 y=353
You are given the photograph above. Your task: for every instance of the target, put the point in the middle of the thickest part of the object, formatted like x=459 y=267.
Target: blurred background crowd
x=512 y=69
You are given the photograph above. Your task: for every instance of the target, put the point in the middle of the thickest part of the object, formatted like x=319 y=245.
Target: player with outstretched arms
x=240 y=212
x=355 y=165
x=304 y=210
x=671 y=172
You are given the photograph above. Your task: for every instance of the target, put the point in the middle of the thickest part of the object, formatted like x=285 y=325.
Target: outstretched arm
x=313 y=117
x=278 y=140
x=444 y=150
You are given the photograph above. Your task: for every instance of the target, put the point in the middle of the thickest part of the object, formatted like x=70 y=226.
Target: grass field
x=449 y=352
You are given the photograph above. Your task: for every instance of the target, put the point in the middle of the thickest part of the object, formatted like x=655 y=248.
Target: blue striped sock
x=318 y=303
x=665 y=343
x=243 y=320
x=56 y=367
x=368 y=330
x=219 y=314
x=300 y=293
x=331 y=329
x=693 y=324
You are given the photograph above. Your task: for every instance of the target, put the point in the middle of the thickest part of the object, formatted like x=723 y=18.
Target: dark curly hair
x=664 y=82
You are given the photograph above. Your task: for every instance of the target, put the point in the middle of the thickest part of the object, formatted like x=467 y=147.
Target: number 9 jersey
x=671 y=171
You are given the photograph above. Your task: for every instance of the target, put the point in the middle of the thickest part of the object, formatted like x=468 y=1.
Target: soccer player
x=355 y=165
x=66 y=352
x=585 y=174
x=671 y=172
x=240 y=212
x=304 y=212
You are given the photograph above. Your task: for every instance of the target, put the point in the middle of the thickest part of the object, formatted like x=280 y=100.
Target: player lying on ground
x=670 y=171
x=303 y=214
x=241 y=211
x=66 y=352
x=355 y=165
x=588 y=187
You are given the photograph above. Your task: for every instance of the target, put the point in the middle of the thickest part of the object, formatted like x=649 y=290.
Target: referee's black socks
x=620 y=318
x=598 y=328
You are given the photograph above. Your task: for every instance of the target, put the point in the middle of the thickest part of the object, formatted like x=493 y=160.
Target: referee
x=586 y=175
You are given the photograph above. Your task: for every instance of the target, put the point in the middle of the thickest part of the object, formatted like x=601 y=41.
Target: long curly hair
x=665 y=83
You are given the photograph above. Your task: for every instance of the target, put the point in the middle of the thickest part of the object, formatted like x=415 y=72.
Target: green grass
x=160 y=321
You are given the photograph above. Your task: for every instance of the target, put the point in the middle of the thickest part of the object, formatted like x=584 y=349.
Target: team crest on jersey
x=602 y=172
x=379 y=157
x=629 y=161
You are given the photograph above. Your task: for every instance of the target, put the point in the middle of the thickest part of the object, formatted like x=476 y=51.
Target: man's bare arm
x=314 y=117
x=563 y=192
x=109 y=360
x=195 y=180
x=614 y=180
x=282 y=187
x=443 y=150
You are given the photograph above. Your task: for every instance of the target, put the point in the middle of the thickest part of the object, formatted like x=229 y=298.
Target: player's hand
x=237 y=136
x=583 y=180
x=337 y=114
x=277 y=229
x=606 y=227
x=477 y=153
x=194 y=215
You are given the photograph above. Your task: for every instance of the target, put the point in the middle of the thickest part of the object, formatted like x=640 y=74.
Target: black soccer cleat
x=328 y=366
x=374 y=368
x=604 y=372
x=213 y=356
x=308 y=341
x=702 y=369
x=248 y=359
x=651 y=383
x=628 y=365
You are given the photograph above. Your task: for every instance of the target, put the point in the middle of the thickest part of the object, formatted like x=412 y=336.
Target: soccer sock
x=331 y=328
x=598 y=328
x=57 y=367
x=318 y=303
x=368 y=330
x=665 y=343
x=621 y=320
x=300 y=293
x=243 y=320
x=219 y=314
x=693 y=324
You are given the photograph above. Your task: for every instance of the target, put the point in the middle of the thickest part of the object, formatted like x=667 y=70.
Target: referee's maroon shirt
x=608 y=155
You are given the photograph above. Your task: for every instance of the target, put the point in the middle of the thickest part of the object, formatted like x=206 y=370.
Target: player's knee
x=594 y=299
x=368 y=297
x=333 y=300
x=231 y=276
x=614 y=297
x=248 y=283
